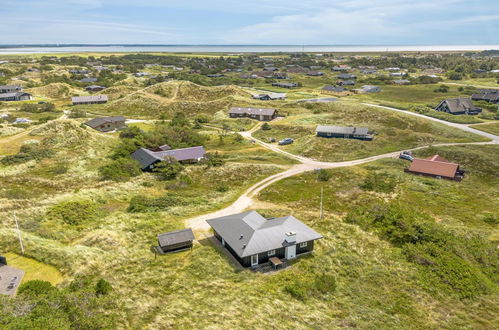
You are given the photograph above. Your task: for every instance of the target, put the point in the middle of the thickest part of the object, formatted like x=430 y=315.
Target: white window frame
x=271 y=253
x=303 y=244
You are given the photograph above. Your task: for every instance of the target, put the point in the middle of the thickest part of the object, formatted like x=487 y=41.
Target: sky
x=266 y=22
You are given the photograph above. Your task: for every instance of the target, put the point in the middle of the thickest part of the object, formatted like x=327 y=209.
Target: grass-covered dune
x=392 y=131
x=164 y=99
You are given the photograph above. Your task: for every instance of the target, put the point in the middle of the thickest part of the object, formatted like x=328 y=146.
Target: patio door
x=254 y=260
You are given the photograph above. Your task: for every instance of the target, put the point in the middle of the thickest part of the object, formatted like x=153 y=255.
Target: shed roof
x=176 y=237
x=249 y=233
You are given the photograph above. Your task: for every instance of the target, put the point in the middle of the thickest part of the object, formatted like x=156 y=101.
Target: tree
x=168 y=169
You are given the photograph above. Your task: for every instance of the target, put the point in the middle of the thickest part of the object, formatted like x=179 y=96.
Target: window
x=271 y=253
x=304 y=244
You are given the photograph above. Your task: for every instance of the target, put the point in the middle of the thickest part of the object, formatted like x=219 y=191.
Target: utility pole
x=322 y=193
x=19 y=234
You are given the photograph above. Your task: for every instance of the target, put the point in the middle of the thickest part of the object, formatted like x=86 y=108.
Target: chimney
x=241 y=237
x=290 y=237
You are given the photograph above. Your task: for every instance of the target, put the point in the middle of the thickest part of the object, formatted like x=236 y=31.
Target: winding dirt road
x=245 y=201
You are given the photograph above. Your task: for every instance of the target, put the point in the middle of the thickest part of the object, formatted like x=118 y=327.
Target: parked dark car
x=286 y=141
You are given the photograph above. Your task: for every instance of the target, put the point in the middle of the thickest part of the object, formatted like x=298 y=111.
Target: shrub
x=297 y=290
x=140 y=204
x=379 y=182
x=74 y=212
x=28 y=152
x=168 y=169
x=120 y=169
x=77 y=113
x=325 y=283
x=214 y=160
x=103 y=287
x=222 y=188
x=36 y=288
x=491 y=219
x=266 y=127
x=324 y=175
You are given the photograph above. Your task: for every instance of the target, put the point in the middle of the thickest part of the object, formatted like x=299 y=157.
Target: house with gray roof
x=90 y=99
x=359 y=133
x=15 y=96
x=10 y=89
x=262 y=114
x=148 y=158
x=253 y=239
x=107 y=124
x=328 y=89
x=458 y=106
x=488 y=95
x=270 y=96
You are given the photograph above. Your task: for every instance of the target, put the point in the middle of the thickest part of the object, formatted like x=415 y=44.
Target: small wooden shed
x=176 y=240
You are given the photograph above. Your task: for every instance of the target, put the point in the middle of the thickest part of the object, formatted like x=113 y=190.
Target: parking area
x=10 y=278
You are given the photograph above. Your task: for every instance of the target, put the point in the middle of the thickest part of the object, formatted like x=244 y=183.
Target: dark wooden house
x=107 y=124
x=175 y=240
x=262 y=114
x=253 y=239
x=148 y=158
x=458 y=106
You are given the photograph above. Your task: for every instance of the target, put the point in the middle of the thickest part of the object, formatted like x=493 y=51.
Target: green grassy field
x=393 y=131
x=33 y=269
x=489 y=127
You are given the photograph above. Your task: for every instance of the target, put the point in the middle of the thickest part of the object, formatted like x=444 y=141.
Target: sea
x=233 y=49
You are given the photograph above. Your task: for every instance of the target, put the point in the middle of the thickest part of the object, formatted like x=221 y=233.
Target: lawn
x=393 y=132
x=492 y=128
x=34 y=270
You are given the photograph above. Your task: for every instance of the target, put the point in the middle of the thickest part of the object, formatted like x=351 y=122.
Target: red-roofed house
x=436 y=166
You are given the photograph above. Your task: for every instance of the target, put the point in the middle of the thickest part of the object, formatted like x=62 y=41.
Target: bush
x=30 y=151
x=35 y=287
x=74 y=212
x=140 y=204
x=214 y=160
x=168 y=169
x=324 y=175
x=379 y=182
x=121 y=169
x=325 y=283
x=103 y=287
x=266 y=127
x=442 y=89
x=77 y=113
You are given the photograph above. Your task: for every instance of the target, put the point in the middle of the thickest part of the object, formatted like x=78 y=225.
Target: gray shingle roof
x=342 y=130
x=249 y=233
x=96 y=122
x=147 y=157
x=460 y=104
x=175 y=237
